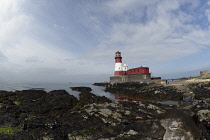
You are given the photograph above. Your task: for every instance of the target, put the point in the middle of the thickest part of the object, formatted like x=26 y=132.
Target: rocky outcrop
x=82 y=89
x=201 y=90
x=57 y=115
x=130 y=120
x=179 y=124
x=89 y=98
x=102 y=84
x=202 y=117
x=145 y=91
x=31 y=114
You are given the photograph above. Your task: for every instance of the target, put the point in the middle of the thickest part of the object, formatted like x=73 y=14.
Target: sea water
x=49 y=86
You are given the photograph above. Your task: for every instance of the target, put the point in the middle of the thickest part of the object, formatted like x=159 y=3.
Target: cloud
x=22 y=50
x=119 y=6
x=164 y=35
x=207 y=12
x=40 y=40
x=12 y=23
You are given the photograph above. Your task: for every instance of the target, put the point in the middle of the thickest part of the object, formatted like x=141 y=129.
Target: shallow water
x=12 y=86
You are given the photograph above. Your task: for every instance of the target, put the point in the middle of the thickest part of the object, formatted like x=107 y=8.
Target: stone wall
x=204 y=73
x=189 y=81
x=139 y=78
x=144 y=78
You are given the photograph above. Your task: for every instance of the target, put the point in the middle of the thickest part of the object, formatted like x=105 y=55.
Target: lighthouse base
x=143 y=78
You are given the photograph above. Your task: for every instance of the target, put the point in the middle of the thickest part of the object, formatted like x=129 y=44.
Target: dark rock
x=145 y=91
x=89 y=98
x=102 y=84
x=82 y=89
x=60 y=100
x=201 y=90
x=130 y=120
x=59 y=115
x=40 y=102
x=179 y=122
x=202 y=117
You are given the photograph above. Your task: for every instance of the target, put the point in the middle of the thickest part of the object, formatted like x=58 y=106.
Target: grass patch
x=208 y=75
x=17 y=103
x=8 y=130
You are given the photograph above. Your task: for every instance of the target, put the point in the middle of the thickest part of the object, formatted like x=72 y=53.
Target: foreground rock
x=202 y=117
x=36 y=114
x=201 y=90
x=179 y=124
x=89 y=98
x=31 y=114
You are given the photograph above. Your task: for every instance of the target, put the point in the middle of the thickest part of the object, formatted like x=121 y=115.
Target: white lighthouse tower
x=118 y=64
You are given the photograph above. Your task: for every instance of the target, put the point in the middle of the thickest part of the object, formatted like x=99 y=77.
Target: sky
x=76 y=40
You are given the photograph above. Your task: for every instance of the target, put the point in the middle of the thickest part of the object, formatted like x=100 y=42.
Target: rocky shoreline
x=57 y=115
x=146 y=92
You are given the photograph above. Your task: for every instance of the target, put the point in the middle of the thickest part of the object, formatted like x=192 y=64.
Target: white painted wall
x=118 y=67
x=125 y=67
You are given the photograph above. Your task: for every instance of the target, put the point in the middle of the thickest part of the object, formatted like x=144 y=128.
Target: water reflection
x=99 y=91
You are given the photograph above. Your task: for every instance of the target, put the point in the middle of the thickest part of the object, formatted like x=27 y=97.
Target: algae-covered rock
x=89 y=98
x=179 y=124
x=201 y=90
x=145 y=91
x=204 y=115
x=36 y=114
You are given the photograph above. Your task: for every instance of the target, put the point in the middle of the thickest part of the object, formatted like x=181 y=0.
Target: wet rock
x=60 y=116
x=60 y=100
x=102 y=84
x=37 y=101
x=145 y=91
x=34 y=110
x=201 y=90
x=82 y=89
x=89 y=98
x=174 y=130
x=204 y=115
x=179 y=125
x=107 y=115
x=129 y=120
x=203 y=121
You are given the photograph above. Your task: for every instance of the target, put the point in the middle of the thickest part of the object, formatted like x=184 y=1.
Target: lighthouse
x=123 y=74
x=118 y=64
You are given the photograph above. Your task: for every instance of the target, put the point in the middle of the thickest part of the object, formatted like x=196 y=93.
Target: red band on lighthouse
x=118 y=64
x=118 y=59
